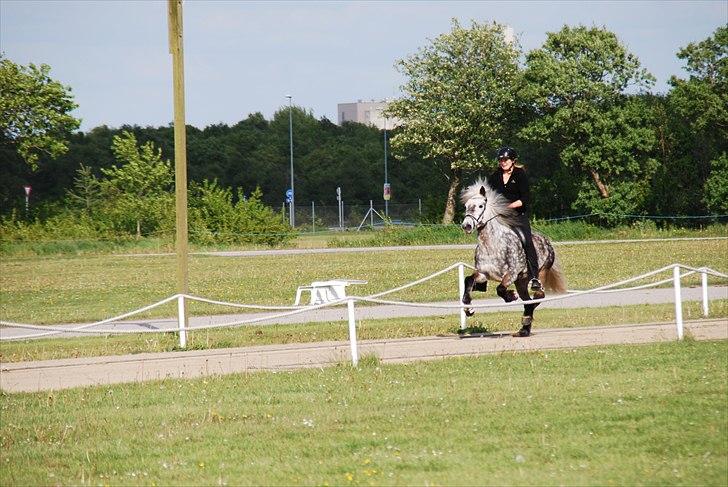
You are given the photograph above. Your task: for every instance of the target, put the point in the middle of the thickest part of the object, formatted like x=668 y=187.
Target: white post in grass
x=678 y=301
x=352 y=332
x=704 y=282
x=461 y=288
x=181 y=321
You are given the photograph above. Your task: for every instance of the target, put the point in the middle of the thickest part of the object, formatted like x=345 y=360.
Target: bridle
x=476 y=221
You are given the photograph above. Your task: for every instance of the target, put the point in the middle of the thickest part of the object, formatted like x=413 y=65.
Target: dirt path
x=67 y=373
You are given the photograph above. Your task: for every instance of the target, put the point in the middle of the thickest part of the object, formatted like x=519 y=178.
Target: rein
x=489 y=219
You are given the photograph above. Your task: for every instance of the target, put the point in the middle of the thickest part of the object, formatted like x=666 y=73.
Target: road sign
x=27 y=189
x=387 y=191
x=289 y=195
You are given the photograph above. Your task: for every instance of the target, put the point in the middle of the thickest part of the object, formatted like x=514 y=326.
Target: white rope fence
x=47 y=330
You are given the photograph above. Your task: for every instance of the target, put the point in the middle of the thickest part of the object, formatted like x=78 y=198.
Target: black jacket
x=516 y=189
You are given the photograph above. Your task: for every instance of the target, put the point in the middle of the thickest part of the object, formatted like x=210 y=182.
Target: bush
x=214 y=218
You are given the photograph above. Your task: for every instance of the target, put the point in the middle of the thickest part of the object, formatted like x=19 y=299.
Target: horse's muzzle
x=467 y=227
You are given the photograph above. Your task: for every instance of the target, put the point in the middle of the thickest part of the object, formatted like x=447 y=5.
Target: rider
x=511 y=181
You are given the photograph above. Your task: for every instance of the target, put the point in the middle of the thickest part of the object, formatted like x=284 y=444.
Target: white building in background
x=366 y=112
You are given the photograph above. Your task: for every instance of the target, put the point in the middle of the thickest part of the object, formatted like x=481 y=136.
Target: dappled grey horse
x=499 y=255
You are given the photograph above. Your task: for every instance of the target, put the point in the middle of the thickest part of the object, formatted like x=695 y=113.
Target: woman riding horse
x=510 y=180
x=504 y=234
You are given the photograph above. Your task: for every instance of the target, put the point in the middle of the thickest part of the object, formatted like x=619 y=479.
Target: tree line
x=592 y=135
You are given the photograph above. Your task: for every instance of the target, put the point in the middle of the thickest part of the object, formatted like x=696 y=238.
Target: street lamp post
x=290 y=138
x=386 y=201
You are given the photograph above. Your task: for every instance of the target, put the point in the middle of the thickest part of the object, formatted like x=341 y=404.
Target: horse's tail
x=553 y=279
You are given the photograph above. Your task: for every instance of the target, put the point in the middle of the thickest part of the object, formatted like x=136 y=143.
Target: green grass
x=87 y=288
x=625 y=415
x=560 y=231
x=91 y=346
x=386 y=236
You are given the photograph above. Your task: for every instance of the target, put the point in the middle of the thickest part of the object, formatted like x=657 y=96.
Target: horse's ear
x=482 y=191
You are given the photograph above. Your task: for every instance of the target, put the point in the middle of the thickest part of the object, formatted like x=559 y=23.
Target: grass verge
x=387 y=236
x=625 y=415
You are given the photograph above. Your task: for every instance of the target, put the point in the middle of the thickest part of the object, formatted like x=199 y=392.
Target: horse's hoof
x=469 y=312
x=510 y=296
x=523 y=332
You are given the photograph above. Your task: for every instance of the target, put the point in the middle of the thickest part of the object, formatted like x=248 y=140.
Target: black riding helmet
x=507 y=152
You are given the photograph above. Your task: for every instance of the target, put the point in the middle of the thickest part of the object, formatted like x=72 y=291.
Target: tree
x=86 y=193
x=716 y=186
x=696 y=127
x=458 y=99
x=577 y=84
x=34 y=111
x=139 y=189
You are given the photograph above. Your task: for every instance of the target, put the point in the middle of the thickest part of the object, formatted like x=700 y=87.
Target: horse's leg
x=502 y=289
x=527 y=319
x=469 y=283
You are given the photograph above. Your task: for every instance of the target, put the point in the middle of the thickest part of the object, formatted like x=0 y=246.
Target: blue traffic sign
x=289 y=195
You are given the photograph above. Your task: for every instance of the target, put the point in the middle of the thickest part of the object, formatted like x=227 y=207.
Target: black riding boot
x=524 y=233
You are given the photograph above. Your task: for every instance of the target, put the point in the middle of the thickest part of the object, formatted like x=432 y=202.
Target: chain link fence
x=315 y=217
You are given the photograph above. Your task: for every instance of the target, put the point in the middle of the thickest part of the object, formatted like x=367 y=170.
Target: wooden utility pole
x=180 y=143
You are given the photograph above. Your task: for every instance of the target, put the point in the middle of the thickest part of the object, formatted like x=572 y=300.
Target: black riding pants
x=523 y=230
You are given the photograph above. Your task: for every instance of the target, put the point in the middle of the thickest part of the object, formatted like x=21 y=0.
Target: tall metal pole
x=180 y=143
x=386 y=202
x=290 y=137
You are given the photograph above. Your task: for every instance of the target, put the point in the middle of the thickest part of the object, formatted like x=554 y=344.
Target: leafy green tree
x=695 y=127
x=34 y=111
x=716 y=186
x=577 y=84
x=139 y=190
x=458 y=98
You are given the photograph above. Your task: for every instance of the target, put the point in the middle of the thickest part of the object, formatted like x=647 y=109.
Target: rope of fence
x=374 y=298
x=637 y=288
x=420 y=281
x=84 y=328
x=81 y=329
x=238 y=305
x=543 y=300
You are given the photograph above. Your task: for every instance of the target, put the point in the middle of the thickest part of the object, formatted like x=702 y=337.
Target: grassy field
x=78 y=289
x=627 y=415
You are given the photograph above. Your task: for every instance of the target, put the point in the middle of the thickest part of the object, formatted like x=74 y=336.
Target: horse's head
x=474 y=211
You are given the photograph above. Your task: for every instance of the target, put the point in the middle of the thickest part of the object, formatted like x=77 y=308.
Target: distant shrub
x=214 y=218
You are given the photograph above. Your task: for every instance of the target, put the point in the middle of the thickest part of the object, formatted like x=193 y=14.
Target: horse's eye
x=480 y=206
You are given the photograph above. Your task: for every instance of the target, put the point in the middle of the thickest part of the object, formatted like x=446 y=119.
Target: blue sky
x=244 y=56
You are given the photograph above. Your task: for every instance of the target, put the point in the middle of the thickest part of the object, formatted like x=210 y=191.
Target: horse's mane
x=497 y=203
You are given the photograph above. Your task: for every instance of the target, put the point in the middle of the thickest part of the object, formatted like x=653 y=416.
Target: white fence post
x=704 y=282
x=461 y=288
x=352 y=332
x=181 y=321
x=678 y=301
